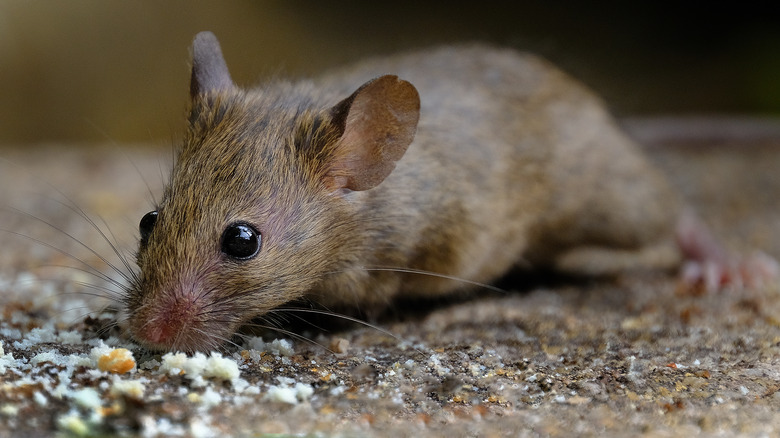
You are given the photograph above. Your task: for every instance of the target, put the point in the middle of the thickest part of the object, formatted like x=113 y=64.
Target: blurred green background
x=94 y=71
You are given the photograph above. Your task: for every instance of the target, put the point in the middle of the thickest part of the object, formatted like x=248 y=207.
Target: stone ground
x=552 y=357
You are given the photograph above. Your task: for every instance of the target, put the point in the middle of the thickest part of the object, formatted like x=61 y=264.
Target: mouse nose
x=168 y=320
x=163 y=326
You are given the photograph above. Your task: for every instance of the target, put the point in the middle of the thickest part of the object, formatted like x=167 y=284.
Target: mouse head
x=261 y=202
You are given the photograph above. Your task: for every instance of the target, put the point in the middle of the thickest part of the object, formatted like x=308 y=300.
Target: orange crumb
x=118 y=361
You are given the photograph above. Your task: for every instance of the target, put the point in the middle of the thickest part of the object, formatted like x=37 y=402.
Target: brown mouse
x=459 y=161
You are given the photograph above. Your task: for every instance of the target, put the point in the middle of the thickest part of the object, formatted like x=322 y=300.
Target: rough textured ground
x=554 y=358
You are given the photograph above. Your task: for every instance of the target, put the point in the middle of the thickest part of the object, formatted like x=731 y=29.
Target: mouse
x=409 y=176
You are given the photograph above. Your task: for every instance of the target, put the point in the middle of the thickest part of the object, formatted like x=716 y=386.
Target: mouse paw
x=708 y=266
x=758 y=270
x=711 y=275
x=701 y=277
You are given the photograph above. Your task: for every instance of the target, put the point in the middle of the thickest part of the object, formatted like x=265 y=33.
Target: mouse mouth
x=189 y=336
x=182 y=324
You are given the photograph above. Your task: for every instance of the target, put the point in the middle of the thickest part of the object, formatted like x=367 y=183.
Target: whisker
x=215 y=341
x=80 y=316
x=105 y=329
x=121 y=288
x=68 y=203
x=116 y=245
x=79 y=293
x=287 y=333
x=74 y=207
x=72 y=238
x=422 y=272
x=125 y=155
x=281 y=314
x=341 y=316
x=97 y=272
x=437 y=275
x=108 y=296
x=113 y=244
x=63 y=314
x=83 y=294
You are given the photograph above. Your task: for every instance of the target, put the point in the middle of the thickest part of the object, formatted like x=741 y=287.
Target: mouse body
x=463 y=162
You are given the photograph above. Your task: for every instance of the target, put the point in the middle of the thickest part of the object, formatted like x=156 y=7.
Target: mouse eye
x=147 y=225
x=241 y=241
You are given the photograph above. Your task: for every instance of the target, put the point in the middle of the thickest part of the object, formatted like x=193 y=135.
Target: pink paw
x=709 y=267
x=710 y=275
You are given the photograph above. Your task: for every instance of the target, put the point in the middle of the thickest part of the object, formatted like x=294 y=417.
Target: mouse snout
x=177 y=321
x=165 y=325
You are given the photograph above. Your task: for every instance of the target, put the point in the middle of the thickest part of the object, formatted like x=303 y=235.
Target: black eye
x=147 y=225
x=241 y=241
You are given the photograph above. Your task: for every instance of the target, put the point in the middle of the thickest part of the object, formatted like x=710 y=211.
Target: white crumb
x=9 y=410
x=199 y=366
x=221 y=367
x=70 y=337
x=278 y=347
x=40 y=399
x=87 y=398
x=287 y=394
x=210 y=398
x=73 y=423
x=131 y=388
x=173 y=363
x=199 y=429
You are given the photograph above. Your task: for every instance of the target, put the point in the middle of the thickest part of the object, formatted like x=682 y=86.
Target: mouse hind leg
x=611 y=210
x=601 y=261
x=679 y=241
x=705 y=265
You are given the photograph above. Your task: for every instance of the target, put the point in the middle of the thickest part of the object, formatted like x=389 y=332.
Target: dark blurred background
x=94 y=71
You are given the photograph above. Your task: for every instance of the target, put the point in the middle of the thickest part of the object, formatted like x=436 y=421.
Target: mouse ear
x=209 y=71
x=377 y=122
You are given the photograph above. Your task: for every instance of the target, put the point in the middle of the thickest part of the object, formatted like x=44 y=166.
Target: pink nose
x=158 y=333
x=165 y=324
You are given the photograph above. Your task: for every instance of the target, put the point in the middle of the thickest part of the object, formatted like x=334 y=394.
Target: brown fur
x=513 y=162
